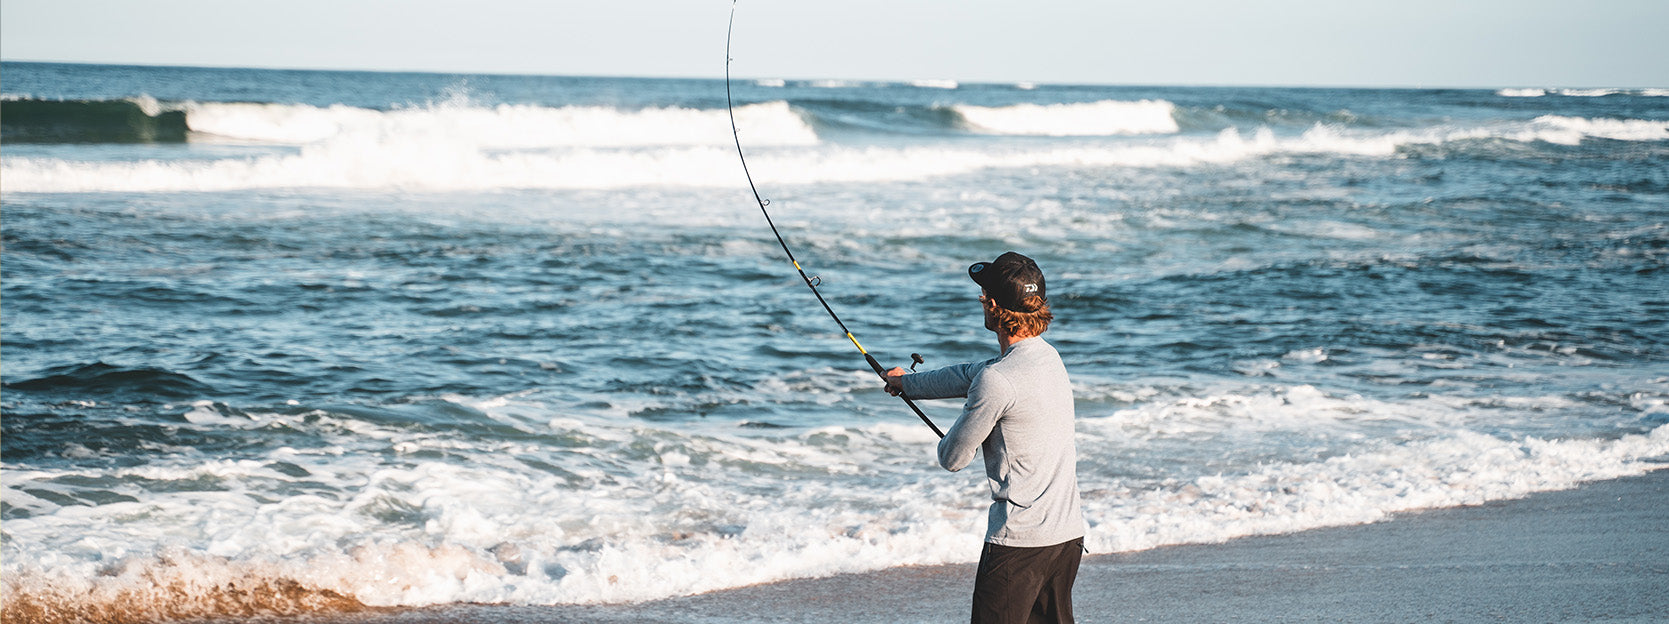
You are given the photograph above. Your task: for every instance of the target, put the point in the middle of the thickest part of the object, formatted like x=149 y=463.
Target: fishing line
x=811 y=281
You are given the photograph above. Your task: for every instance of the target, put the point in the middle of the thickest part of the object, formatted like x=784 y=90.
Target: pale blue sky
x=1482 y=43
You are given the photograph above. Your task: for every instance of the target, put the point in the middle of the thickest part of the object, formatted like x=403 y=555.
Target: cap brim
x=976 y=272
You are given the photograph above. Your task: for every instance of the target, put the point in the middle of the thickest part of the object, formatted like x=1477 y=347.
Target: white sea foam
x=1105 y=118
x=1538 y=92
x=1571 y=130
x=1462 y=469
x=388 y=162
x=1590 y=92
x=1299 y=408
x=462 y=123
x=444 y=161
x=1307 y=356
x=934 y=83
x=583 y=509
x=615 y=524
x=147 y=104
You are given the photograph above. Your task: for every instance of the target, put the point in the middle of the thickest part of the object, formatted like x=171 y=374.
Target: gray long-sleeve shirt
x=1020 y=412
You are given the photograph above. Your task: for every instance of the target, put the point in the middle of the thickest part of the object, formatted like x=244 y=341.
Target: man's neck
x=1006 y=341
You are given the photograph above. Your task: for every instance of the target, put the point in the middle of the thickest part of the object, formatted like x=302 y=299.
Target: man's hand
x=895 y=381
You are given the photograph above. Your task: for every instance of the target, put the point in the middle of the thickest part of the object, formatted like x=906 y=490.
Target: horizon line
x=720 y=77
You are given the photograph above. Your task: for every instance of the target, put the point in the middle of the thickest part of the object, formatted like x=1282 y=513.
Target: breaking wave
x=502 y=126
x=144 y=119
x=1105 y=118
x=444 y=160
x=134 y=120
x=1540 y=92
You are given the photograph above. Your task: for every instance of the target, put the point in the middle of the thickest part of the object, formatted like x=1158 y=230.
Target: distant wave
x=935 y=83
x=1105 y=118
x=1540 y=92
x=1571 y=130
x=134 y=120
x=440 y=162
x=502 y=126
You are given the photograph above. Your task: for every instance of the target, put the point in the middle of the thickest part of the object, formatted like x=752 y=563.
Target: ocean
x=287 y=341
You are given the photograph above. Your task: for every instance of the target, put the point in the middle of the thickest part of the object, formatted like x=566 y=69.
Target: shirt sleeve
x=989 y=396
x=949 y=382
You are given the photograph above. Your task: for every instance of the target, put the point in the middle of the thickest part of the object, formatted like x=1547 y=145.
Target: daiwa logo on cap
x=1010 y=280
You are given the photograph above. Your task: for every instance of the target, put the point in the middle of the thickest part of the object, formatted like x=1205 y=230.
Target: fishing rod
x=811 y=282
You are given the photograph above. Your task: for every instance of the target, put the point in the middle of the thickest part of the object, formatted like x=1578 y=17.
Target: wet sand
x=1596 y=553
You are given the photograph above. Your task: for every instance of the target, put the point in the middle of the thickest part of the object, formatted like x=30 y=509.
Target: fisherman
x=1019 y=410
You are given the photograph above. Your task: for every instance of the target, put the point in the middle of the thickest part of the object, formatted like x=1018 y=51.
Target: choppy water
x=406 y=339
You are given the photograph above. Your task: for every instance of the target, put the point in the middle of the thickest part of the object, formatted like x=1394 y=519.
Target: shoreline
x=1596 y=552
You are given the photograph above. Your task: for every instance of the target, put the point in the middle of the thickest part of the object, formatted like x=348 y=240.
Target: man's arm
x=944 y=383
x=989 y=396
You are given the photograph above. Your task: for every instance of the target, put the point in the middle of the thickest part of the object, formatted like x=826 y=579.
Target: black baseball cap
x=1009 y=280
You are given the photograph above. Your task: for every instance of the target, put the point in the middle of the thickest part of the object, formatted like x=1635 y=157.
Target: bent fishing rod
x=811 y=282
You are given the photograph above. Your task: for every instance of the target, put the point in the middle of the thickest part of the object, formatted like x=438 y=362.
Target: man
x=1019 y=410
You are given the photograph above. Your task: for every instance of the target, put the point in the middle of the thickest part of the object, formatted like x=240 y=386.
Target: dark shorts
x=1026 y=585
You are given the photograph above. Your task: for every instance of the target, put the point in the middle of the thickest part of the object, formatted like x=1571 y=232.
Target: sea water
x=287 y=340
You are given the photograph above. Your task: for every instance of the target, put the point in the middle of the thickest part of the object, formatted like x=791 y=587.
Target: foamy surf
x=1541 y=92
x=505 y=126
x=446 y=161
x=589 y=510
x=1107 y=118
x=484 y=534
x=935 y=83
x=1572 y=130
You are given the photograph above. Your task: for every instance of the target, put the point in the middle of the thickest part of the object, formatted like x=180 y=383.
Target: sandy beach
x=1592 y=554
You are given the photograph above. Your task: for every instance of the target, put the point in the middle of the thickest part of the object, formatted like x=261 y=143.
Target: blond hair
x=1033 y=322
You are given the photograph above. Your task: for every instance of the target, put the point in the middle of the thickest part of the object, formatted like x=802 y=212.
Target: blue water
x=422 y=338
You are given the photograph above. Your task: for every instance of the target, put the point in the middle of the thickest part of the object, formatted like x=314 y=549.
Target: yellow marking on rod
x=797 y=265
x=855 y=343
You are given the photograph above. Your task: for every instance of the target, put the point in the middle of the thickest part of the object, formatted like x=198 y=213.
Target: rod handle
x=879 y=370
